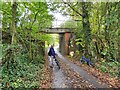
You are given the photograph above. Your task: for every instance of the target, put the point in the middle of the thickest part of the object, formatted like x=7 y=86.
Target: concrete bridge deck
x=58 y=30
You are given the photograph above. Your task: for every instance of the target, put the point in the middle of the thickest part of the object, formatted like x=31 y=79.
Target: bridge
x=57 y=30
x=65 y=34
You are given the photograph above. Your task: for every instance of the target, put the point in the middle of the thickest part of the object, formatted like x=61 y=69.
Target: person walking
x=52 y=56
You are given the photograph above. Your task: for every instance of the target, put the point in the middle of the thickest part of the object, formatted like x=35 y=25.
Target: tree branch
x=72 y=8
x=35 y=17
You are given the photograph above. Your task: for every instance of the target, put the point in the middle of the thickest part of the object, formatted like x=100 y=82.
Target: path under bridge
x=65 y=34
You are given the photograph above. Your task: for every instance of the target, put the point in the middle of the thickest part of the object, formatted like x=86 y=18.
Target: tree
x=23 y=42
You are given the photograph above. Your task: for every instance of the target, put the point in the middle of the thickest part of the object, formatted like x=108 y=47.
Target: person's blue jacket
x=52 y=51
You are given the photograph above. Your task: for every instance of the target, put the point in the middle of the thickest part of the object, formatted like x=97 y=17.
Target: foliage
x=22 y=54
x=23 y=48
x=100 y=35
x=110 y=67
x=21 y=73
x=69 y=23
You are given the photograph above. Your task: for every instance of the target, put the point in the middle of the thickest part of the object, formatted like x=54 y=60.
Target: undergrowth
x=20 y=71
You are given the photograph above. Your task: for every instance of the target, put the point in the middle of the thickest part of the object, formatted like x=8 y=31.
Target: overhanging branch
x=72 y=8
